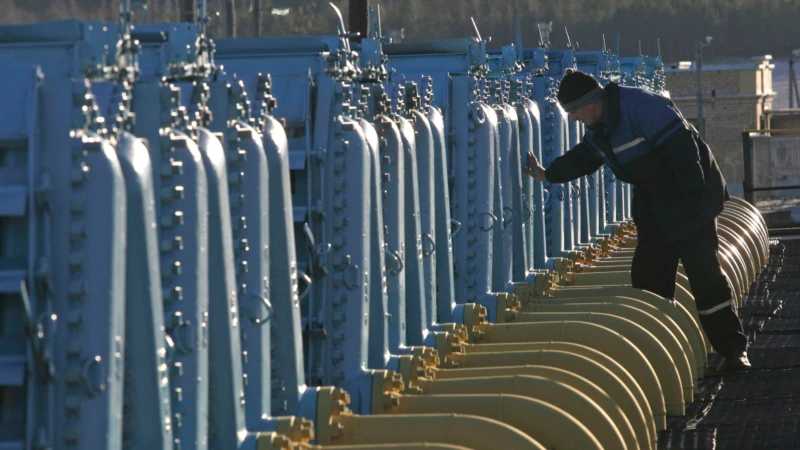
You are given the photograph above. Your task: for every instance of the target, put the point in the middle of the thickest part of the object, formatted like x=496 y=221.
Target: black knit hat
x=578 y=90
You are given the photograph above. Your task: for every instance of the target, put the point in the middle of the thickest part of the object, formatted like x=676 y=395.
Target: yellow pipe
x=747 y=236
x=601 y=338
x=585 y=375
x=683 y=300
x=622 y=252
x=553 y=354
x=760 y=254
x=730 y=267
x=273 y=441
x=475 y=432
x=609 y=432
x=751 y=223
x=558 y=353
x=746 y=222
x=336 y=425
x=680 y=323
x=622 y=277
x=675 y=378
x=295 y=428
x=754 y=213
x=728 y=241
x=408 y=446
x=748 y=262
x=597 y=279
x=678 y=347
x=682 y=295
x=758 y=224
x=603 y=268
x=548 y=424
x=613 y=261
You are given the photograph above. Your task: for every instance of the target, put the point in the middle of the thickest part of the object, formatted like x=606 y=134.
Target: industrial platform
x=759 y=409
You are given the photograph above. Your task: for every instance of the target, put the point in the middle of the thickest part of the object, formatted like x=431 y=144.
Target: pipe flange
x=297 y=429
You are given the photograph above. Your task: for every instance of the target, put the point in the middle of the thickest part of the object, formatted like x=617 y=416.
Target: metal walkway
x=759 y=409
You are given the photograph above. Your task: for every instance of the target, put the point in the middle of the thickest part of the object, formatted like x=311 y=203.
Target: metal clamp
x=397 y=266
x=182 y=336
x=527 y=208
x=255 y=317
x=577 y=191
x=92 y=376
x=492 y=221
x=546 y=195
x=510 y=220
x=169 y=348
x=37 y=334
x=307 y=279
x=427 y=238
x=457 y=225
x=348 y=279
x=317 y=252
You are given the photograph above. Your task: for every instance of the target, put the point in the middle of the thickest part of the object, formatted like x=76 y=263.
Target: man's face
x=589 y=114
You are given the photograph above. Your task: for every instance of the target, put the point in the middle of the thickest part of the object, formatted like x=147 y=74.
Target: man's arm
x=579 y=161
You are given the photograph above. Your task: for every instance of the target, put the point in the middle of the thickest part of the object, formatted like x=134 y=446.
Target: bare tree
x=187 y=11
x=230 y=18
x=258 y=20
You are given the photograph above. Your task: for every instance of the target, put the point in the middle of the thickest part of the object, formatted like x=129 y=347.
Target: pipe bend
x=548 y=424
x=611 y=433
x=602 y=339
x=678 y=348
x=479 y=433
x=668 y=313
x=683 y=301
x=576 y=371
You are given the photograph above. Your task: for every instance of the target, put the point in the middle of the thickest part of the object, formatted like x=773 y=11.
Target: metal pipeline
x=682 y=294
x=273 y=441
x=744 y=242
x=547 y=424
x=610 y=432
x=608 y=279
x=337 y=425
x=544 y=288
x=672 y=315
x=408 y=446
x=591 y=365
x=554 y=353
x=675 y=379
x=673 y=340
x=603 y=340
x=745 y=213
x=746 y=231
x=608 y=393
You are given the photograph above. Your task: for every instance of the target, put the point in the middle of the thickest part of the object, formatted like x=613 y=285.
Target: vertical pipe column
x=445 y=290
x=145 y=339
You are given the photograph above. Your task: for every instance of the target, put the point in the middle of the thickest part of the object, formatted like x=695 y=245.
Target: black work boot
x=737 y=364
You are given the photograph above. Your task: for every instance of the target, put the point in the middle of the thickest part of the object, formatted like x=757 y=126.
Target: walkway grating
x=759 y=409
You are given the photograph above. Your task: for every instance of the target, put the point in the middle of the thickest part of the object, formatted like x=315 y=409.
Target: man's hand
x=534 y=169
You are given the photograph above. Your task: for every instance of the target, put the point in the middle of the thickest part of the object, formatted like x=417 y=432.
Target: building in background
x=736 y=97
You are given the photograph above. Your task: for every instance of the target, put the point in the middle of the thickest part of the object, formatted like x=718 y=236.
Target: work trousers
x=655 y=267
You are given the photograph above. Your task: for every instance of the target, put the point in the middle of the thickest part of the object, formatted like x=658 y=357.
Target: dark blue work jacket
x=646 y=142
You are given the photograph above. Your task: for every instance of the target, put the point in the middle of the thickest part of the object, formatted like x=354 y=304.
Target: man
x=678 y=191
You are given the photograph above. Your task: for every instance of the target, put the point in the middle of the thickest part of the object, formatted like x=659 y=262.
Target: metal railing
x=749 y=168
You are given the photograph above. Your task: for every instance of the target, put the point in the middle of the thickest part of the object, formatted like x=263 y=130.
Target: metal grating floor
x=759 y=409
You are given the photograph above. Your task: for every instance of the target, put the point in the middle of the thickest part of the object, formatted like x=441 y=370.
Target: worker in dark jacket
x=678 y=191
